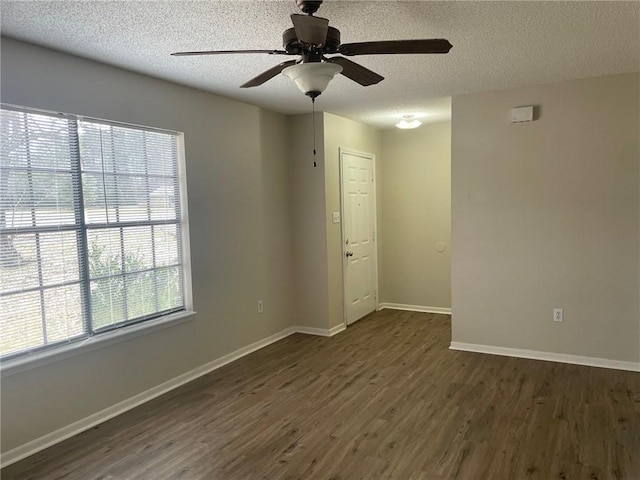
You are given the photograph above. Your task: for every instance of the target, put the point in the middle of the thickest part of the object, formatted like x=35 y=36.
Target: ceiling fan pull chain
x=313 y=116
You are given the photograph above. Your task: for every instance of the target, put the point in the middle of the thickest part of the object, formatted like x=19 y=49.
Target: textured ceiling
x=496 y=45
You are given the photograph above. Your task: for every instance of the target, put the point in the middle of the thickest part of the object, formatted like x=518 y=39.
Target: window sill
x=28 y=362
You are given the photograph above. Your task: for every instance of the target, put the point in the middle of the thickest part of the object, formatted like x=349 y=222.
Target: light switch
x=335 y=217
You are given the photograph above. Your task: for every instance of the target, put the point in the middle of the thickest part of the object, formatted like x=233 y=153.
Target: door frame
x=369 y=156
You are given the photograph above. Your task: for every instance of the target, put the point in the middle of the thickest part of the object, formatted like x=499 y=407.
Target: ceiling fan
x=312 y=39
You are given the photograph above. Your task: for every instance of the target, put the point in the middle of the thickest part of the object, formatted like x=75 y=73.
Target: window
x=91 y=231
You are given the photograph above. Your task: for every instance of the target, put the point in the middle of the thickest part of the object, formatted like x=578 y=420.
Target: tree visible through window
x=90 y=228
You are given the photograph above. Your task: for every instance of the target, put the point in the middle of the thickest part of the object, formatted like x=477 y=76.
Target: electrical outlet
x=260 y=306
x=558 y=314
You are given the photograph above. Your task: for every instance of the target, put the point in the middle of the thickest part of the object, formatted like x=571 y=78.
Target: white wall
x=546 y=214
x=238 y=183
x=416 y=200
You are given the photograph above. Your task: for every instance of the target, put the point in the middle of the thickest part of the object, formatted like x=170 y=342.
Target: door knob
x=349 y=254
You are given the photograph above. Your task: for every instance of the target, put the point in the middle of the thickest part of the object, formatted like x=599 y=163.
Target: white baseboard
x=68 y=431
x=324 y=332
x=414 y=308
x=548 y=356
x=337 y=329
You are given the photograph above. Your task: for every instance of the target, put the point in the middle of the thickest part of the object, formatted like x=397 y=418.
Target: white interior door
x=358 y=234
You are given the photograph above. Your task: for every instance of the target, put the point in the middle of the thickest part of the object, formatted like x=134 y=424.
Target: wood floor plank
x=384 y=400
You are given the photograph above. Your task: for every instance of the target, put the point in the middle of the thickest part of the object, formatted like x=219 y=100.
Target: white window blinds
x=90 y=228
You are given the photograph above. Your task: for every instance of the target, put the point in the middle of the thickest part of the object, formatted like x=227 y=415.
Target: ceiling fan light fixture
x=408 y=122
x=312 y=78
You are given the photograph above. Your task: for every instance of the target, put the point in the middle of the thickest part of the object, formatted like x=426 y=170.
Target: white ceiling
x=496 y=45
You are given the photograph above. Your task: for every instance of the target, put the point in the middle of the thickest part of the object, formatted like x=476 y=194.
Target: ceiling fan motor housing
x=293 y=46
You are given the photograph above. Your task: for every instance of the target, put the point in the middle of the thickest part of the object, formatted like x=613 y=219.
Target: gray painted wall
x=546 y=214
x=238 y=184
x=309 y=211
x=416 y=200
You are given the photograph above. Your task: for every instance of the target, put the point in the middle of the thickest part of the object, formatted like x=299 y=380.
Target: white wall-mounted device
x=522 y=114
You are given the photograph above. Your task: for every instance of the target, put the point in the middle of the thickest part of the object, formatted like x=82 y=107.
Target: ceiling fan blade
x=309 y=29
x=434 y=45
x=225 y=52
x=356 y=72
x=268 y=75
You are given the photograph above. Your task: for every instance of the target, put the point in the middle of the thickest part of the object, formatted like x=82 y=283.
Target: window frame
x=93 y=338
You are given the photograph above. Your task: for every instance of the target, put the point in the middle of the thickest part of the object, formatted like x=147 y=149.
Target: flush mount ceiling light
x=408 y=121
x=312 y=78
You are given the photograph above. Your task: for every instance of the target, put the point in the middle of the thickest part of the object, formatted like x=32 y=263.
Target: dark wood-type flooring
x=384 y=400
